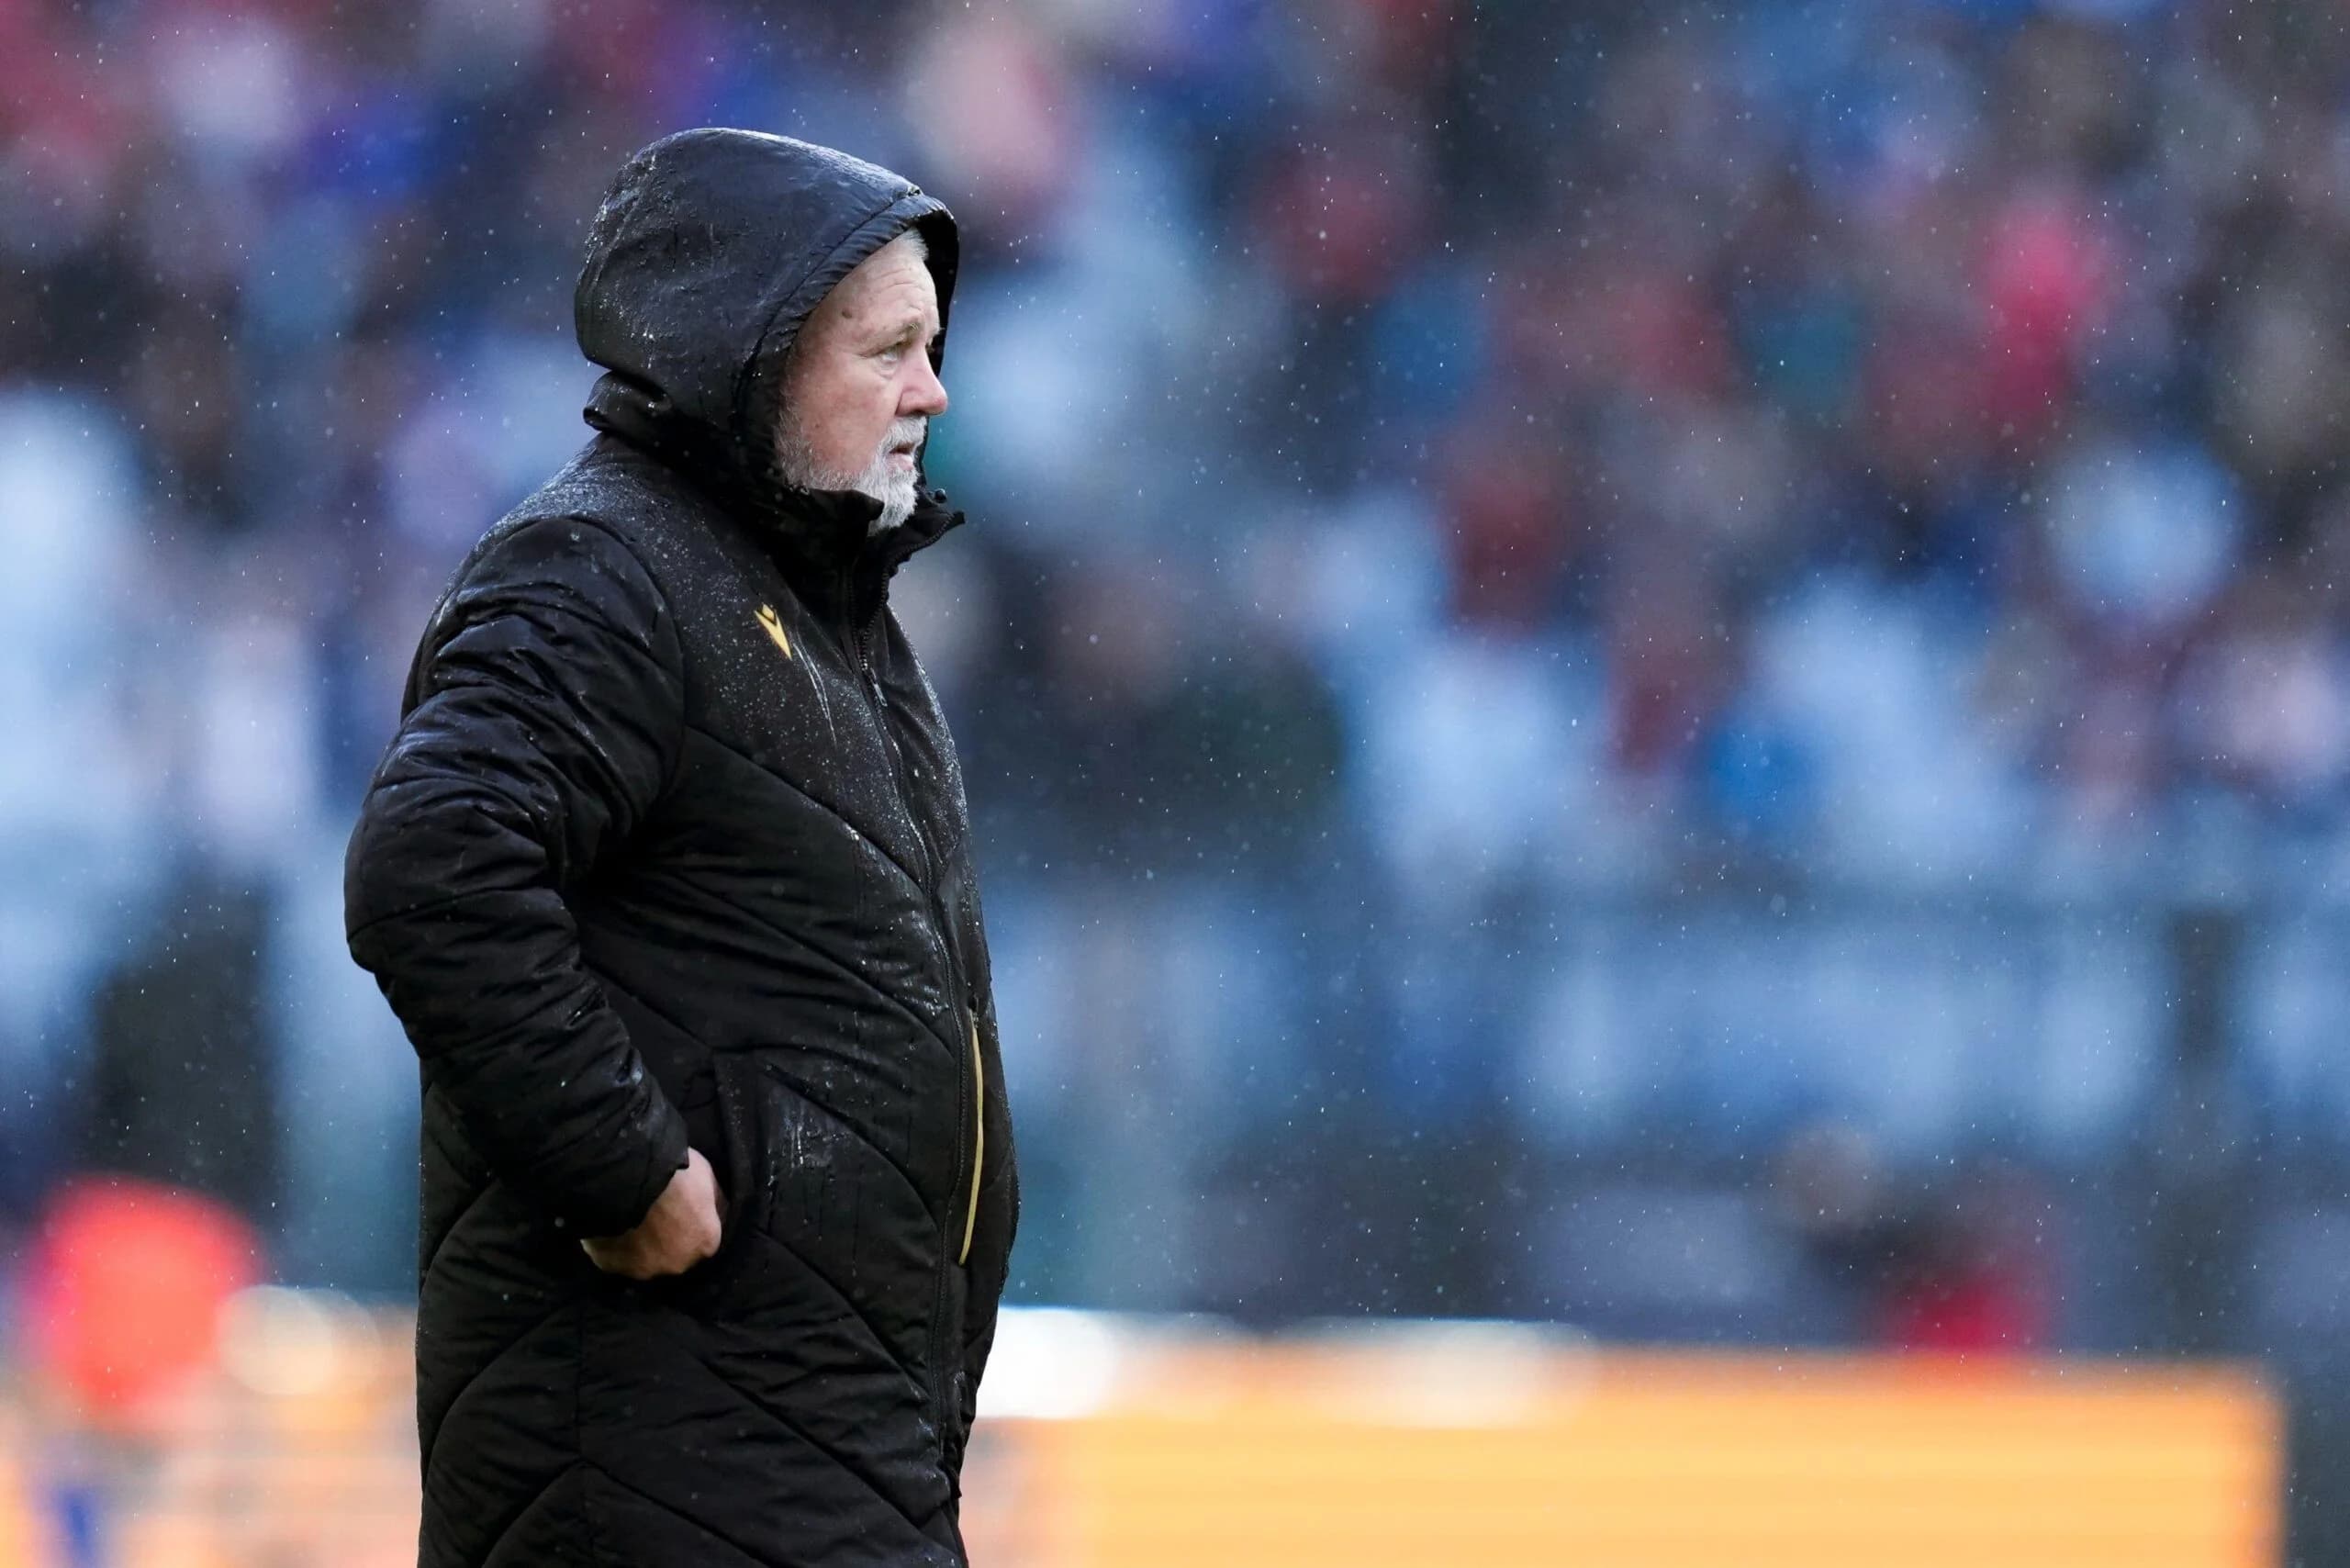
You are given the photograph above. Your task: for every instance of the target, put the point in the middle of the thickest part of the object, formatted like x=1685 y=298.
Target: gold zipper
x=978 y=1138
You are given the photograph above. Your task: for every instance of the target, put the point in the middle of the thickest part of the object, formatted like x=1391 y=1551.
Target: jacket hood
x=709 y=253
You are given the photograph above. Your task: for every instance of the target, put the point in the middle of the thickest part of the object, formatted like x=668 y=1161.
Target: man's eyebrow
x=897 y=326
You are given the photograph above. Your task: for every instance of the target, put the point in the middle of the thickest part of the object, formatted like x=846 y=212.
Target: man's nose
x=925 y=394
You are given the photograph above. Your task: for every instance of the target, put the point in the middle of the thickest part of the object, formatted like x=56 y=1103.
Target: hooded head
x=709 y=253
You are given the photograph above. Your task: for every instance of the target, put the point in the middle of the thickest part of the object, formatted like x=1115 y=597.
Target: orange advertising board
x=1137 y=1443
x=1505 y=1449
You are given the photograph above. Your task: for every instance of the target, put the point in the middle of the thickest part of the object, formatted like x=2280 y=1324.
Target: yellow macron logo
x=774 y=624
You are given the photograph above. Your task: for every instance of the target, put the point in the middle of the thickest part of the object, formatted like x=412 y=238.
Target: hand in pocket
x=681 y=1229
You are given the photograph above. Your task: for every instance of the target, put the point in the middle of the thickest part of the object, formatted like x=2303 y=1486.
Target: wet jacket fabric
x=671 y=848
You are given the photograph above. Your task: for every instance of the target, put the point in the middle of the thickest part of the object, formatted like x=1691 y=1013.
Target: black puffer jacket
x=672 y=847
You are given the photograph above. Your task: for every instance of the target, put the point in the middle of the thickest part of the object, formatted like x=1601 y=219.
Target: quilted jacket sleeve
x=544 y=717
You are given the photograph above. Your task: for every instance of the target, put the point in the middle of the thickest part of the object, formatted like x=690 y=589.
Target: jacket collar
x=823 y=540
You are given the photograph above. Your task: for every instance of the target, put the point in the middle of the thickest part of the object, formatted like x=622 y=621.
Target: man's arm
x=546 y=720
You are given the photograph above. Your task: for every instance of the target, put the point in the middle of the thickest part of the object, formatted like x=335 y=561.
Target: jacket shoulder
x=634 y=498
x=607 y=557
x=676 y=531
x=638 y=514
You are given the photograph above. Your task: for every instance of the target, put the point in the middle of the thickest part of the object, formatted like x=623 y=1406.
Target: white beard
x=880 y=478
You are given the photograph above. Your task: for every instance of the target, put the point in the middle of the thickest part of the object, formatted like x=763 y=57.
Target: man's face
x=858 y=390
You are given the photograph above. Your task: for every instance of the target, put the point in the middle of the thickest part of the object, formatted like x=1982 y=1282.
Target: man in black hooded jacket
x=668 y=875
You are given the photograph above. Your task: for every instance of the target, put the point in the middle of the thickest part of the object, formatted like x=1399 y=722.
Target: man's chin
x=896 y=492
x=897 y=506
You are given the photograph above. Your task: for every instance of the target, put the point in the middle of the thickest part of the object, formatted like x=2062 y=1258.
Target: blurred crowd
x=1452 y=484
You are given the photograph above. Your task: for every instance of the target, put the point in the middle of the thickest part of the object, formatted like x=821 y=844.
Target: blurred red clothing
x=125 y=1286
x=1968 y=1307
